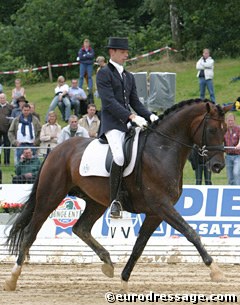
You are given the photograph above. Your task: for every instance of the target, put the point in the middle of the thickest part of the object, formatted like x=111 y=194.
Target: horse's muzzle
x=216 y=167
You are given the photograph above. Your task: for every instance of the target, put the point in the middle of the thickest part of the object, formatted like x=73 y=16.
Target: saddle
x=127 y=149
x=97 y=157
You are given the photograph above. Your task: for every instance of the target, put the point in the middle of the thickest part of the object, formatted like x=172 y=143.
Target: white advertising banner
x=213 y=211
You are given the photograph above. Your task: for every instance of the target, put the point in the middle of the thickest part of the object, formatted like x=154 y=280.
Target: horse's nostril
x=217 y=167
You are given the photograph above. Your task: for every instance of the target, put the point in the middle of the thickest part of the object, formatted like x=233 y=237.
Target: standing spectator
x=73 y=129
x=86 y=57
x=50 y=133
x=61 y=97
x=232 y=158
x=205 y=66
x=117 y=90
x=24 y=131
x=5 y=114
x=18 y=109
x=33 y=112
x=78 y=98
x=100 y=61
x=17 y=92
x=200 y=167
x=90 y=121
x=27 y=167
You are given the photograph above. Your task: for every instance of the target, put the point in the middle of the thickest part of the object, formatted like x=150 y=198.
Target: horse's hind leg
x=172 y=217
x=82 y=229
x=148 y=227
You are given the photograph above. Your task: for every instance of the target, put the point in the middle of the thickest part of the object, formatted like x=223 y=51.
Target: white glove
x=153 y=117
x=140 y=121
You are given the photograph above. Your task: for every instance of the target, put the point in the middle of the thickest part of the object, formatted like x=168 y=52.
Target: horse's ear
x=208 y=107
x=230 y=107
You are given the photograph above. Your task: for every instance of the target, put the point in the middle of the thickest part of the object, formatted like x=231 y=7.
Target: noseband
x=204 y=149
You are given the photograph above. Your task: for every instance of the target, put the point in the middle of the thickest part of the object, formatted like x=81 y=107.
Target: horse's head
x=208 y=133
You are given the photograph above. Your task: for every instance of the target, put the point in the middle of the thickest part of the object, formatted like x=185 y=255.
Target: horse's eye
x=212 y=130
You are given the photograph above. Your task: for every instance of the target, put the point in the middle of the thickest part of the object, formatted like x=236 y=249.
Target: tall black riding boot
x=115 y=184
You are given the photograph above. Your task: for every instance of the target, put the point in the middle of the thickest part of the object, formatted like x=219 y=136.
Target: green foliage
x=35 y=32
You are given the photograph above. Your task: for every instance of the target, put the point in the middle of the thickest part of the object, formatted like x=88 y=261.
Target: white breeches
x=115 y=139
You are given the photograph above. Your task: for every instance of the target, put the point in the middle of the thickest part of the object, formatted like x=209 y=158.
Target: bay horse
x=166 y=146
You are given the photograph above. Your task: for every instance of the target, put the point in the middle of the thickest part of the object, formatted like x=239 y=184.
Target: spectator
x=61 y=97
x=78 y=99
x=5 y=114
x=86 y=57
x=232 y=158
x=24 y=131
x=205 y=66
x=90 y=121
x=200 y=167
x=100 y=61
x=50 y=133
x=27 y=167
x=72 y=130
x=19 y=105
x=17 y=92
x=33 y=112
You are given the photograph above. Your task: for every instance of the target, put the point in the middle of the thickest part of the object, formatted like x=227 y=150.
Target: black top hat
x=118 y=43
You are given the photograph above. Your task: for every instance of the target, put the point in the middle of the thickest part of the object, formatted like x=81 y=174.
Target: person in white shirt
x=61 y=96
x=78 y=98
x=205 y=66
x=24 y=131
x=73 y=129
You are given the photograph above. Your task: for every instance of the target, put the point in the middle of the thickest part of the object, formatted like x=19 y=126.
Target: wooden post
x=50 y=72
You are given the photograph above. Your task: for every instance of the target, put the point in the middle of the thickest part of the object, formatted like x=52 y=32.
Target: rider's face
x=119 y=56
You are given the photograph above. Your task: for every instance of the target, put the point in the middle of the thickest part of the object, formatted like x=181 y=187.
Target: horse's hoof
x=217 y=277
x=108 y=270
x=9 y=285
x=216 y=274
x=124 y=288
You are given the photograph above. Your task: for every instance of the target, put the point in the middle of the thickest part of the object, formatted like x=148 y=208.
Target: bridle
x=204 y=148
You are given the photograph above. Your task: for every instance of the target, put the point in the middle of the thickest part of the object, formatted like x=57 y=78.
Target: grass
x=187 y=87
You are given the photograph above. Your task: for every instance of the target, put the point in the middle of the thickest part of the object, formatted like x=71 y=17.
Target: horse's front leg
x=148 y=227
x=172 y=217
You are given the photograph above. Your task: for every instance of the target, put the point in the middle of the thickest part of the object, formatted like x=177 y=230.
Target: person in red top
x=232 y=139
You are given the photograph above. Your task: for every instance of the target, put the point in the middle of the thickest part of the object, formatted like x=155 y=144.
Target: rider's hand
x=139 y=121
x=153 y=117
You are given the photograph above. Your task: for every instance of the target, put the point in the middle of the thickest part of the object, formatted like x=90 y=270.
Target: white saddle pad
x=94 y=157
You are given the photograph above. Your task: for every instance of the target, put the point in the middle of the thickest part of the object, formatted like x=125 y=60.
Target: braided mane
x=180 y=105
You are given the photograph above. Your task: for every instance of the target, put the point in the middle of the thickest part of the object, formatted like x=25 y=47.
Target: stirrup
x=116 y=209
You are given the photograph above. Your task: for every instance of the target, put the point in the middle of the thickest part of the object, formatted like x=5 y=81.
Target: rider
x=117 y=90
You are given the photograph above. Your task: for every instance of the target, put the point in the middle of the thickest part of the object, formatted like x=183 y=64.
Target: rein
x=204 y=149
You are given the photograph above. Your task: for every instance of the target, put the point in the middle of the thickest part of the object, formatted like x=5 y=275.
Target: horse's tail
x=23 y=218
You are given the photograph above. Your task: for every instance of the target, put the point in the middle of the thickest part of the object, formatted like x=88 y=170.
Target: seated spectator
x=19 y=105
x=61 y=97
x=17 y=92
x=73 y=129
x=90 y=121
x=27 y=167
x=24 y=131
x=49 y=134
x=200 y=167
x=78 y=98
